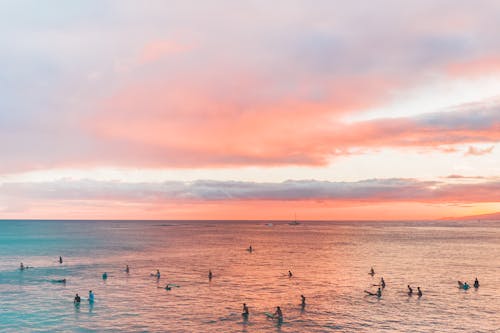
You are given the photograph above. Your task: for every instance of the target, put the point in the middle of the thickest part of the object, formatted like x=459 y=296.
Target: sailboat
x=295 y=221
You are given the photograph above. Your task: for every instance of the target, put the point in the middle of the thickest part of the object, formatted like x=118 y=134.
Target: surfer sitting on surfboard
x=463 y=286
x=410 y=291
x=22 y=267
x=476 y=283
x=378 y=293
x=372 y=272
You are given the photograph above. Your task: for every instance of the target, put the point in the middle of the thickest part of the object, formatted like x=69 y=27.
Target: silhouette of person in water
x=77 y=299
x=382 y=282
x=209 y=275
x=127 y=269
x=104 y=276
x=60 y=260
x=278 y=314
x=372 y=272
x=21 y=267
x=410 y=291
x=245 y=310
x=91 y=296
x=290 y=274
x=476 y=283
x=250 y=249
x=419 y=292
x=303 y=303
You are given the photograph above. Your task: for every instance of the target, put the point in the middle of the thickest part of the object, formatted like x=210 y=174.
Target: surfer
x=245 y=310
x=58 y=281
x=466 y=286
x=278 y=314
x=378 y=293
x=290 y=274
x=372 y=272
x=250 y=249
x=60 y=260
x=21 y=267
x=127 y=269
x=303 y=303
x=209 y=275
x=419 y=292
x=476 y=283
x=91 y=296
x=167 y=287
x=104 y=276
x=157 y=274
x=382 y=282
x=410 y=291
x=77 y=300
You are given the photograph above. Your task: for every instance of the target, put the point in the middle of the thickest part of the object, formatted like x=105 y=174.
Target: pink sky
x=224 y=110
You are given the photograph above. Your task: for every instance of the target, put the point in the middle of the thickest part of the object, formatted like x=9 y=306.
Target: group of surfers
x=381 y=287
x=378 y=293
x=278 y=314
x=465 y=285
x=78 y=299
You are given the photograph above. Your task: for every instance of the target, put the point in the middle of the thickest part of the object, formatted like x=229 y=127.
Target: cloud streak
x=373 y=190
x=479 y=151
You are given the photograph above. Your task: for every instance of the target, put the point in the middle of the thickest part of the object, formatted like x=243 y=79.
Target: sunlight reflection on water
x=329 y=261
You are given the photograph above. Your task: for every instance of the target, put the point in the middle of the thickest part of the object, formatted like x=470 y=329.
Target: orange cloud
x=179 y=126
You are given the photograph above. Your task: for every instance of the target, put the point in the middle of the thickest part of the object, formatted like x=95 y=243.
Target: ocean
x=330 y=262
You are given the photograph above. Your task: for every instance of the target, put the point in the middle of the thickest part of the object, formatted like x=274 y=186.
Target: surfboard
x=269 y=315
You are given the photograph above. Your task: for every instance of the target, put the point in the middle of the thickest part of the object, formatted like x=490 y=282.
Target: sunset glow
x=212 y=110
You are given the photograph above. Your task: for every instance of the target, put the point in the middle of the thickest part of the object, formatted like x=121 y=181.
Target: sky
x=327 y=110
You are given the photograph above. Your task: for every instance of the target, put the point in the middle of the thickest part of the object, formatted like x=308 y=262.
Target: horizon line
x=256 y=220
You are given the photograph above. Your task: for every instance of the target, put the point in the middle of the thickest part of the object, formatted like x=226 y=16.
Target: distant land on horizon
x=491 y=216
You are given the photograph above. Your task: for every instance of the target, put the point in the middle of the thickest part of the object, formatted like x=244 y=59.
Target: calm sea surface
x=329 y=261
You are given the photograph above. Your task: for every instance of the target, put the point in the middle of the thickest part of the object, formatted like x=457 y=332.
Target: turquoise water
x=330 y=262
